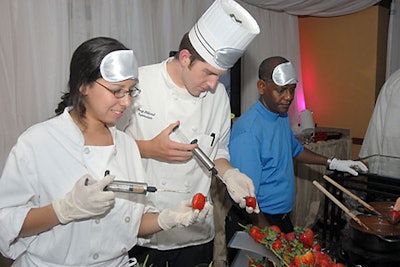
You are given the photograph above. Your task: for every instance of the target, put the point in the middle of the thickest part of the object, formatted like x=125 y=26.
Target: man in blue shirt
x=263 y=146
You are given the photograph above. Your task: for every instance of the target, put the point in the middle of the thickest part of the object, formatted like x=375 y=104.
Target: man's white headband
x=284 y=74
x=119 y=66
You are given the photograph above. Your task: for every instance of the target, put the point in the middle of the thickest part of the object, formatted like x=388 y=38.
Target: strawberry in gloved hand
x=198 y=201
x=239 y=187
x=251 y=202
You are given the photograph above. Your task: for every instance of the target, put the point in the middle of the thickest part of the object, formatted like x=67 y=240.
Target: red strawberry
x=277 y=244
x=290 y=236
x=305 y=259
x=394 y=216
x=198 y=201
x=316 y=247
x=256 y=263
x=256 y=234
x=251 y=202
x=275 y=228
x=321 y=258
x=307 y=237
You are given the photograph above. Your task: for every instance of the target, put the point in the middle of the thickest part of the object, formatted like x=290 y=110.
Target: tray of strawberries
x=295 y=249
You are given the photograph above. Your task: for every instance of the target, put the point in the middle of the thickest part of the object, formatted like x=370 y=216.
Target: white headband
x=119 y=65
x=284 y=74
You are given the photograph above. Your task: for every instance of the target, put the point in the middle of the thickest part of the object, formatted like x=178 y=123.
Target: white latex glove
x=86 y=199
x=207 y=211
x=183 y=215
x=349 y=166
x=239 y=187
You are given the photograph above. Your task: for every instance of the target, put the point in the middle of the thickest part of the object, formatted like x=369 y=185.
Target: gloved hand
x=183 y=215
x=239 y=187
x=349 y=166
x=86 y=199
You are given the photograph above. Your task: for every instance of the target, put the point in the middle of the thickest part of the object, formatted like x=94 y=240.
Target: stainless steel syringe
x=200 y=155
x=130 y=187
x=136 y=187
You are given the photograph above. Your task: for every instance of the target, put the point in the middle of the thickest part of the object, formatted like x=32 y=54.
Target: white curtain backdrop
x=38 y=37
x=319 y=8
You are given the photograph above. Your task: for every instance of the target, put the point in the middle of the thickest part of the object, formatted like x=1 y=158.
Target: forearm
x=307 y=156
x=145 y=148
x=39 y=220
x=222 y=165
x=149 y=224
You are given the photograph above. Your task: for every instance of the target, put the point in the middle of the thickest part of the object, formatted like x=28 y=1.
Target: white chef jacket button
x=97 y=221
x=163 y=182
x=86 y=150
x=95 y=256
x=187 y=184
x=123 y=250
x=127 y=219
x=194 y=129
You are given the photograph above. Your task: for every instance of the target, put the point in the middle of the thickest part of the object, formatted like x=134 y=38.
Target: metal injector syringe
x=130 y=187
x=135 y=187
x=200 y=155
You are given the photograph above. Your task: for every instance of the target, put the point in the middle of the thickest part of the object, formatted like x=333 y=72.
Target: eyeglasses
x=120 y=93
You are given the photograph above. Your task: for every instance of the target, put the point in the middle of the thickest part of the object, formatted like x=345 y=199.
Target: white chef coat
x=383 y=133
x=205 y=118
x=45 y=163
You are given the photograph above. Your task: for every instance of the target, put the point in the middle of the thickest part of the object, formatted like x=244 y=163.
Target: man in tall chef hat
x=182 y=94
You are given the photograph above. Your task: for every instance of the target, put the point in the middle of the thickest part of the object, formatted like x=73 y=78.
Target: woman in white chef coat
x=53 y=209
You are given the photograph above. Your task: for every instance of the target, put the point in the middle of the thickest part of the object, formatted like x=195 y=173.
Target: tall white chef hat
x=222 y=33
x=119 y=65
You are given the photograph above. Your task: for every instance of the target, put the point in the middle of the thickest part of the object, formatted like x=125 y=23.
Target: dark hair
x=186 y=44
x=267 y=67
x=84 y=70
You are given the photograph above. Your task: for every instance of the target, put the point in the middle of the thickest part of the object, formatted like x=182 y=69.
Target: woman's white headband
x=119 y=65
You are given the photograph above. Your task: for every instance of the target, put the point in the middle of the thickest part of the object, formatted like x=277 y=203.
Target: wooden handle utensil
x=359 y=200
x=340 y=205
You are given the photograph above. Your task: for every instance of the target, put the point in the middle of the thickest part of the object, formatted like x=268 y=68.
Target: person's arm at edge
x=149 y=224
x=39 y=220
x=307 y=156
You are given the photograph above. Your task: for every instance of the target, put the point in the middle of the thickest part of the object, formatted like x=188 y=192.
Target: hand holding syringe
x=200 y=155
